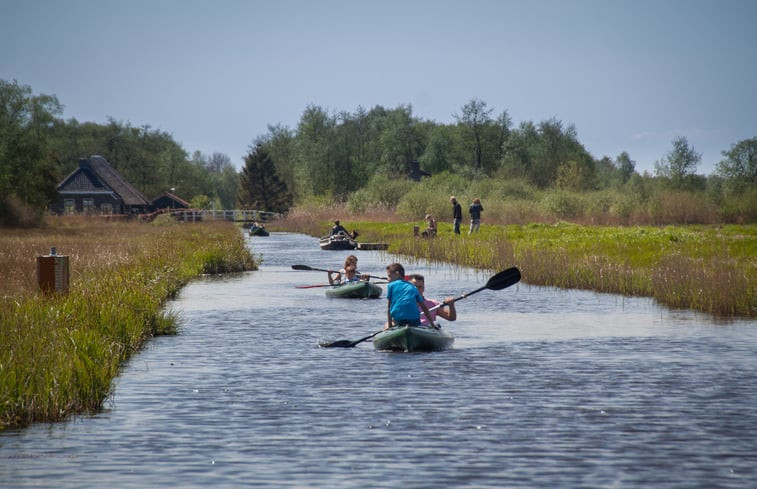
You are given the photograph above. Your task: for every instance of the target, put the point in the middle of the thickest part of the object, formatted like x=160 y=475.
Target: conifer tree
x=260 y=186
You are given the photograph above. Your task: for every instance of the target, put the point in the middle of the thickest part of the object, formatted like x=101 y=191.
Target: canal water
x=544 y=388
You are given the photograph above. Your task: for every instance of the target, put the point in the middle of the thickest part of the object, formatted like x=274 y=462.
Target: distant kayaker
x=404 y=300
x=447 y=311
x=337 y=229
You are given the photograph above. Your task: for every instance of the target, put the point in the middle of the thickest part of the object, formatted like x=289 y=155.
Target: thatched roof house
x=97 y=188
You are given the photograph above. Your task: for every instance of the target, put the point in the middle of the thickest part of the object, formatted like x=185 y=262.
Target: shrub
x=680 y=207
x=562 y=204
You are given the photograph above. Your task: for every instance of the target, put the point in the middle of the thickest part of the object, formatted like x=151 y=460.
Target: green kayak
x=413 y=338
x=355 y=290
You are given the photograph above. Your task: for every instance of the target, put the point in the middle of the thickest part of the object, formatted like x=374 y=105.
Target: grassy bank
x=60 y=352
x=712 y=269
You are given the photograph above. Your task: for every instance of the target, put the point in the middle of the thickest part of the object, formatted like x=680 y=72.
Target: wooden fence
x=235 y=215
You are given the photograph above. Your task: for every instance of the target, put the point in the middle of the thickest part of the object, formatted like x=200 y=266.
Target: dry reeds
x=60 y=352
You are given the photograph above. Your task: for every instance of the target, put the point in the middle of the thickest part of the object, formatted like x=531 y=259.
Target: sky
x=628 y=75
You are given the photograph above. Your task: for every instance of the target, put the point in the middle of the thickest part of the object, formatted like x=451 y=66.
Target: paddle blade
x=504 y=279
x=301 y=267
x=337 y=344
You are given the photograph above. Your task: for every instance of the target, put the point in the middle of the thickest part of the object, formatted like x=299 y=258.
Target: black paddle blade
x=503 y=279
x=337 y=344
x=301 y=267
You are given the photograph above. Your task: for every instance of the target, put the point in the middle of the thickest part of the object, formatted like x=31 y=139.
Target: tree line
x=350 y=157
x=357 y=157
x=38 y=149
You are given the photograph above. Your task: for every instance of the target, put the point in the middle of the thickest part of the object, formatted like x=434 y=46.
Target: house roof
x=96 y=175
x=171 y=196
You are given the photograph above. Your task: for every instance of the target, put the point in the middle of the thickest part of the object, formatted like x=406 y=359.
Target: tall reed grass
x=712 y=269
x=59 y=353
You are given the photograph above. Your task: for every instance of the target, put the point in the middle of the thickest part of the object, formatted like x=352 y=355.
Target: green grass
x=60 y=353
x=712 y=268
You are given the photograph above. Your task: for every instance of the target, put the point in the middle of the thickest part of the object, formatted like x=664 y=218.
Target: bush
x=680 y=207
x=562 y=204
x=381 y=192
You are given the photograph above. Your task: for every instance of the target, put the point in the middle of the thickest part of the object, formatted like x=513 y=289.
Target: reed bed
x=712 y=269
x=60 y=352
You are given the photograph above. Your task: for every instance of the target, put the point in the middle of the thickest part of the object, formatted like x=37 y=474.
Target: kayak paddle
x=500 y=281
x=329 y=285
x=305 y=267
x=347 y=343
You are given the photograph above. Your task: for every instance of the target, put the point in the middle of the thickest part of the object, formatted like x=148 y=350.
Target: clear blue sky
x=630 y=75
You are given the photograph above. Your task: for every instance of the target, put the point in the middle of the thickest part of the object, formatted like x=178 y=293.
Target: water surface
x=544 y=388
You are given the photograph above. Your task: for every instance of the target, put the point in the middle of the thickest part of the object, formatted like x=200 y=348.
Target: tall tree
x=625 y=166
x=314 y=164
x=438 y=155
x=504 y=124
x=260 y=186
x=476 y=118
x=679 y=165
x=28 y=174
x=400 y=141
x=739 y=166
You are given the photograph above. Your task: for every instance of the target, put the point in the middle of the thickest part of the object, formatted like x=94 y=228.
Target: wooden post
x=53 y=272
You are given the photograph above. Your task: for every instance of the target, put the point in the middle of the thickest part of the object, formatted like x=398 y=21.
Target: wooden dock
x=373 y=246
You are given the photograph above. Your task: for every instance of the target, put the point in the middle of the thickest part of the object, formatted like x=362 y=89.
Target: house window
x=69 y=206
x=106 y=208
x=87 y=206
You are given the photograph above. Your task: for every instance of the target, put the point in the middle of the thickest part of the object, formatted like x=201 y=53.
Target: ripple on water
x=543 y=389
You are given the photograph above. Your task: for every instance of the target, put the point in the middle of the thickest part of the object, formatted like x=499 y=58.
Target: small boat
x=338 y=242
x=258 y=231
x=355 y=290
x=413 y=338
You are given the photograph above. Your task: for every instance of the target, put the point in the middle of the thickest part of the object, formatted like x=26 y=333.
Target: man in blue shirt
x=403 y=300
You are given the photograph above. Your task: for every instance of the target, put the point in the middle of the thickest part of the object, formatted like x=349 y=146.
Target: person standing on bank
x=457 y=213
x=475 y=215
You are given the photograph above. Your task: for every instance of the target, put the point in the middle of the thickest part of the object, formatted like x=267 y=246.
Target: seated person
x=350 y=275
x=337 y=229
x=430 y=230
x=447 y=311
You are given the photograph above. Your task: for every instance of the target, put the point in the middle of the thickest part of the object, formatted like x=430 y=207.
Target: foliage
x=739 y=166
x=381 y=192
x=679 y=165
x=332 y=157
x=260 y=186
x=27 y=175
x=705 y=268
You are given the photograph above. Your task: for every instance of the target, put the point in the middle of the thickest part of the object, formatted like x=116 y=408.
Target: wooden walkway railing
x=235 y=215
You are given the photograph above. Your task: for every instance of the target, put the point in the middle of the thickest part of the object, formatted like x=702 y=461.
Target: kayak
x=337 y=242
x=413 y=338
x=258 y=231
x=355 y=290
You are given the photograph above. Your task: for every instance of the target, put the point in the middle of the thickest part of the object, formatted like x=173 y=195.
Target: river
x=544 y=388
